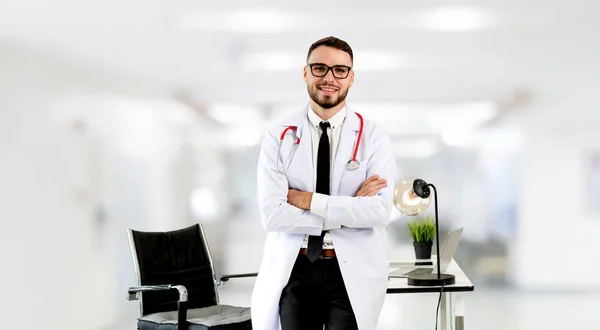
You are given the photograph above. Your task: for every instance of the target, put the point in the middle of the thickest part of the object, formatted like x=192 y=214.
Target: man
x=325 y=259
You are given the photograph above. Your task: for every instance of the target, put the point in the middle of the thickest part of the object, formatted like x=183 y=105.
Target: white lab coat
x=361 y=244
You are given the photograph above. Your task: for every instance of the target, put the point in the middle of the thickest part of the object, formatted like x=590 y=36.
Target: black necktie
x=315 y=243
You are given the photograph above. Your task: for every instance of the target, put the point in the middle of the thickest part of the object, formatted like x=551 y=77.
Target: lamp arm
x=437 y=231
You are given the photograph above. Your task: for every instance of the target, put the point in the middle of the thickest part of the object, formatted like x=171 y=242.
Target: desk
x=452 y=295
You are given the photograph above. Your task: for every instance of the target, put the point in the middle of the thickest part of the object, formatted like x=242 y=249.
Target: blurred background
x=149 y=114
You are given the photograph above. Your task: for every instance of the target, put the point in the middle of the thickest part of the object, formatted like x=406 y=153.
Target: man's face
x=331 y=89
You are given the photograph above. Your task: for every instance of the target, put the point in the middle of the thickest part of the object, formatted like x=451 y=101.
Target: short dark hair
x=333 y=42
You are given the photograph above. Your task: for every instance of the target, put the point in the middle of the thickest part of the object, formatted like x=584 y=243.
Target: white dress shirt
x=319 y=201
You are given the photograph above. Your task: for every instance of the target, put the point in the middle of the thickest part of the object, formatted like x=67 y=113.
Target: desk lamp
x=411 y=197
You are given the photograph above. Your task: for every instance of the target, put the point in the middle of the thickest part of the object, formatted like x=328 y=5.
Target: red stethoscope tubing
x=360 y=131
x=293 y=128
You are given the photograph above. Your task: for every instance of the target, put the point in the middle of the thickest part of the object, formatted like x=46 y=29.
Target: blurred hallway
x=149 y=115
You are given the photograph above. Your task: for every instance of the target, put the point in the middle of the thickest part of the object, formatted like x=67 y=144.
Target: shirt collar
x=335 y=121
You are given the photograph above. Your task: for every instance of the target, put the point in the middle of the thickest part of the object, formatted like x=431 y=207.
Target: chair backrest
x=178 y=257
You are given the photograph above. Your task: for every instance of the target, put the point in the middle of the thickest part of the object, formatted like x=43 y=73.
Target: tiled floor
x=486 y=309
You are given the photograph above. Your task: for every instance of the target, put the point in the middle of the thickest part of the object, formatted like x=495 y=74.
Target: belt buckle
x=325 y=256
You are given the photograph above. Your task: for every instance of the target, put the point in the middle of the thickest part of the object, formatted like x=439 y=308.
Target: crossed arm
x=288 y=210
x=302 y=199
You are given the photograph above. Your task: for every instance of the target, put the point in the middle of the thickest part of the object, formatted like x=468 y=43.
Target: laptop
x=446 y=254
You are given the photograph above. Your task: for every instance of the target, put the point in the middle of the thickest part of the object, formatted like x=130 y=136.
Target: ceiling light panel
x=239 y=21
x=457 y=19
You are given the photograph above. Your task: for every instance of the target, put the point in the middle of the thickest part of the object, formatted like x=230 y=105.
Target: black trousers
x=315 y=296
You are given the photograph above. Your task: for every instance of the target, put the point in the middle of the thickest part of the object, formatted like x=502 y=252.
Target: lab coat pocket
x=372 y=254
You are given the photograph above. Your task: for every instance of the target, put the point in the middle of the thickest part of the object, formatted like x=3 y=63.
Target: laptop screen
x=447 y=253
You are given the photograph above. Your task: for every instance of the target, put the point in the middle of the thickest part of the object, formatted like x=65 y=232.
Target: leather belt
x=325 y=253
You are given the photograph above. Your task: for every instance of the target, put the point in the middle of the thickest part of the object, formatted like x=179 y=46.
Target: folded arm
x=276 y=213
x=365 y=211
x=371 y=206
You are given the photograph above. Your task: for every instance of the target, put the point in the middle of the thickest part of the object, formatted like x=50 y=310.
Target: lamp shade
x=411 y=196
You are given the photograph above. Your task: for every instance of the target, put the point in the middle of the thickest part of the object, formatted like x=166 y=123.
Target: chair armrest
x=182 y=304
x=133 y=292
x=226 y=278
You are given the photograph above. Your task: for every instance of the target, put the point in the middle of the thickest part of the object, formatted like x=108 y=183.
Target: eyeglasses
x=321 y=70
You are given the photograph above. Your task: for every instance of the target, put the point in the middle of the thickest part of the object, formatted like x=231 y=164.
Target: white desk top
x=399 y=285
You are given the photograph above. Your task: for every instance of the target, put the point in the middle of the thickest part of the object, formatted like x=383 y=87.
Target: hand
x=371 y=186
x=299 y=199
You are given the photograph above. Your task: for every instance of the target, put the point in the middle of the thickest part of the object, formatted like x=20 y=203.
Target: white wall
x=557 y=245
x=83 y=156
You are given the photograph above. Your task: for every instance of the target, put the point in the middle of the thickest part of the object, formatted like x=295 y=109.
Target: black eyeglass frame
x=330 y=68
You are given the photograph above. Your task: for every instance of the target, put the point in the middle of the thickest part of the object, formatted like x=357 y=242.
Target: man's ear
x=351 y=78
x=305 y=74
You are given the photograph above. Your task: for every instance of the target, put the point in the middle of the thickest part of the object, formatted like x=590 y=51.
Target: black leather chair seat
x=176 y=282
x=218 y=317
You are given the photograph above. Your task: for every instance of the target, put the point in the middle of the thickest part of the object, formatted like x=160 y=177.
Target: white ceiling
x=540 y=48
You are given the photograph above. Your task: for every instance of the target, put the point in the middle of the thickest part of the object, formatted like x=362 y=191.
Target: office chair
x=176 y=283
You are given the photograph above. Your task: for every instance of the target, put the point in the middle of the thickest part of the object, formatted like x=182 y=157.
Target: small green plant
x=422 y=229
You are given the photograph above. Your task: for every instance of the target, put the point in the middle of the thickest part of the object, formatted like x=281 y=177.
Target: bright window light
x=203 y=203
x=455 y=19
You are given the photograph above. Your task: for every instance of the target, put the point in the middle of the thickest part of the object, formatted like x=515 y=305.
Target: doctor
x=325 y=189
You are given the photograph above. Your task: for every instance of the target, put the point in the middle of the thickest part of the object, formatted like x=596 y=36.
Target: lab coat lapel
x=345 y=149
x=300 y=172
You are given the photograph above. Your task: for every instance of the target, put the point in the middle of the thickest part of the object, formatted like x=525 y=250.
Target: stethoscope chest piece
x=353 y=164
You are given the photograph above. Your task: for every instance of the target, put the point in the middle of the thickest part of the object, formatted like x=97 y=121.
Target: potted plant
x=422 y=231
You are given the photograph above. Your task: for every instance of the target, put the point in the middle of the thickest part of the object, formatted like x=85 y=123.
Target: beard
x=327 y=101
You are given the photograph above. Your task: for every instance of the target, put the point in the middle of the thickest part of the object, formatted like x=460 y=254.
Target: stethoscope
x=352 y=164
